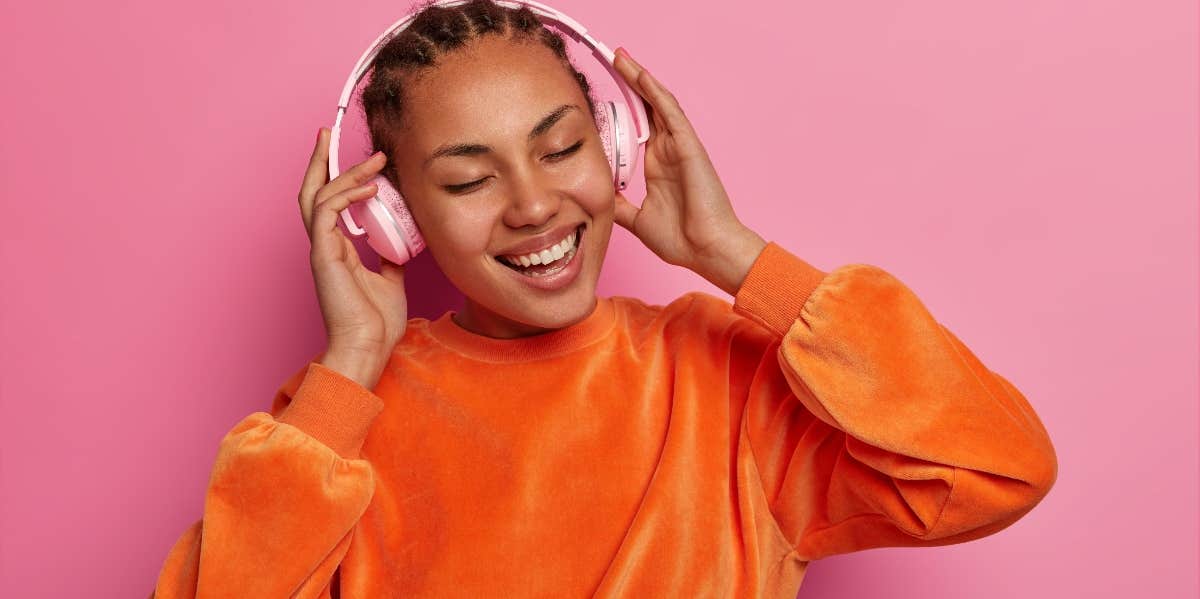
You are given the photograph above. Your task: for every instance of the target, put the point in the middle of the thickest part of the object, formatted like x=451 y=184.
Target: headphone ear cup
x=391 y=230
x=626 y=144
x=604 y=124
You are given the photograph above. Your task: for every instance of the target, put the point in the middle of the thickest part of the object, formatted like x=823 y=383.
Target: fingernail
x=622 y=51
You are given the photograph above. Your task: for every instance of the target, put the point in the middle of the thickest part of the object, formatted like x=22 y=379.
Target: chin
x=560 y=311
x=549 y=313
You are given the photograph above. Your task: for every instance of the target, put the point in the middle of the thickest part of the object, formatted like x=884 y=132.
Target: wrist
x=728 y=269
x=358 y=366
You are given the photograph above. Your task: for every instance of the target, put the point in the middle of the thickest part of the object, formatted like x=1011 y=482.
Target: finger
x=325 y=215
x=625 y=212
x=654 y=121
x=352 y=258
x=629 y=70
x=670 y=113
x=357 y=175
x=314 y=177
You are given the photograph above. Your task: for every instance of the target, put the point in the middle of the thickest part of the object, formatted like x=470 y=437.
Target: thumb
x=625 y=212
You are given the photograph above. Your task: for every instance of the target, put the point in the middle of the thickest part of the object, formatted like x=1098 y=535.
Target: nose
x=533 y=201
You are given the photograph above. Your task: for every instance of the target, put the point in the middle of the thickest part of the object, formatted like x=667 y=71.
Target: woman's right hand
x=365 y=312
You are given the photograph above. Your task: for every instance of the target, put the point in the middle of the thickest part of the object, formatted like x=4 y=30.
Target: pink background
x=1028 y=167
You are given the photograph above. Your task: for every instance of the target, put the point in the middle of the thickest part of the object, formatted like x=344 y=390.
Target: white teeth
x=546 y=256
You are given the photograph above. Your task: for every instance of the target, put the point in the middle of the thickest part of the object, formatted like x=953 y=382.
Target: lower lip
x=559 y=279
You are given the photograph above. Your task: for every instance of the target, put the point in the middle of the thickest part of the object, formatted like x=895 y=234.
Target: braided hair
x=438 y=30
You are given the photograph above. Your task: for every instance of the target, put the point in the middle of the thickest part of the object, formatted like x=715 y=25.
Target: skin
x=493 y=92
x=526 y=194
x=686 y=218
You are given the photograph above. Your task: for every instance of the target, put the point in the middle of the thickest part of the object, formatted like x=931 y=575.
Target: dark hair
x=438 y=30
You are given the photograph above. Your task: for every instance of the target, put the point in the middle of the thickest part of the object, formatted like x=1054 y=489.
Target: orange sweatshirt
x=698 y=449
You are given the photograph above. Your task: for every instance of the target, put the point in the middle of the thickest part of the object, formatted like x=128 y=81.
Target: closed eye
x=567 y=152
x=464 y=187
x=461 y=187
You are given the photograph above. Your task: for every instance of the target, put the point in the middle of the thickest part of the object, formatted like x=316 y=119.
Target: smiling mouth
x=541 y=270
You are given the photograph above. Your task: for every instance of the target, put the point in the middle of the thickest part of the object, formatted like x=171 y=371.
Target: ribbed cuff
x=333 y=409
x=776 y=288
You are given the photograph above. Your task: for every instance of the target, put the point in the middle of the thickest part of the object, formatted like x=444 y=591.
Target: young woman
x=547 y=442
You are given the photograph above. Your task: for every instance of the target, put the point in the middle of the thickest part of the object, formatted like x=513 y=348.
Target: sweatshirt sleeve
x=286 y=491
x=884 y=428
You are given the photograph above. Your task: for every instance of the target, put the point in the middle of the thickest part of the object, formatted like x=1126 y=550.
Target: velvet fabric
x=697 y=449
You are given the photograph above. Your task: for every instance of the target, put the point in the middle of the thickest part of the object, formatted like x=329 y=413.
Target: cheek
x=594 y=185
x=467 y=232
x=455 y=233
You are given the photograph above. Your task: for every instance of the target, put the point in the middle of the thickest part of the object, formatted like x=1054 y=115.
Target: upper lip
x=539 y=242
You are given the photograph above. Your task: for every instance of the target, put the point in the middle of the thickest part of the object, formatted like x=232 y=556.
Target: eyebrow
x=471 y=149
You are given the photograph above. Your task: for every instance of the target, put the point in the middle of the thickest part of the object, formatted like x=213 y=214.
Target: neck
x=482 y=321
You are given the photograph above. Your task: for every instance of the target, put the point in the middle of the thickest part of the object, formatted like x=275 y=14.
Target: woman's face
x=498 y=106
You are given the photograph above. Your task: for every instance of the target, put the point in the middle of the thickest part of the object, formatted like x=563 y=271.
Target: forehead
x=494 y=88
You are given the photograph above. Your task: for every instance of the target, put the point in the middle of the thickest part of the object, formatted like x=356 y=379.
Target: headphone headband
x=570 y=27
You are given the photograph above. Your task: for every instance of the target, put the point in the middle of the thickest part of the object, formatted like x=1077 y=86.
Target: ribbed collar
x=593 y=327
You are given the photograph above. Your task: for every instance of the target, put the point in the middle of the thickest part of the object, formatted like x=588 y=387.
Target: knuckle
x=363 y=173
x=327 y=205
x=322 y=195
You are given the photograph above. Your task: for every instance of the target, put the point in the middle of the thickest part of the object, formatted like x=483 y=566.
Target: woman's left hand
x=686 y=217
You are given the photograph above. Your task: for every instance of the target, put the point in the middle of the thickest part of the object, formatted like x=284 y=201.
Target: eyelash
x=463 y=187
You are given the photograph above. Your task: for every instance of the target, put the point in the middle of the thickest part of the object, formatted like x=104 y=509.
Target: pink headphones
x=385 y=219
